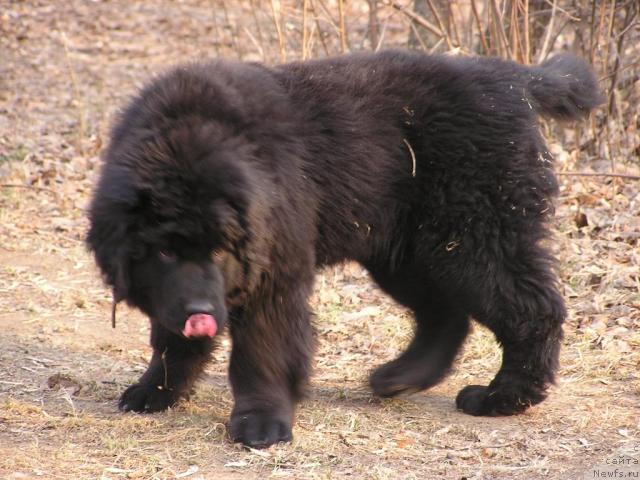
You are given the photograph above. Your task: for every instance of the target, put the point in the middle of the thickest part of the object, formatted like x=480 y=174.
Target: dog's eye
x=217 y=254
x=166 y=256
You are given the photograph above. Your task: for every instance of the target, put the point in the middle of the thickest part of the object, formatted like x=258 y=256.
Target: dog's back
x=419 y=133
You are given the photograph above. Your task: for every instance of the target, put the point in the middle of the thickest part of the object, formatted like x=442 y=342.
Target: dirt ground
x=64 y=69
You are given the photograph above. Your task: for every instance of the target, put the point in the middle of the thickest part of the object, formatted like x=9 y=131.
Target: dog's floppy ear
x=121 y=280
x=230 y=193
x=120 y=287
x=111 y=217
x=231 y=224
x=108 y=240
x=240 y=217
x=111 y=253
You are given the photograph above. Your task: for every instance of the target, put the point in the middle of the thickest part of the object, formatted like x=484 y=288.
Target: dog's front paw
x=142 y=397
x=258 y=429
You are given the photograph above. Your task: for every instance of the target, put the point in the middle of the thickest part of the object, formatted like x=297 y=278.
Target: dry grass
x=65 y=67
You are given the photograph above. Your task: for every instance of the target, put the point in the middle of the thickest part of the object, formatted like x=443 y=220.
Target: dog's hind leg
x=520 y=303
x=175 y=365
x=441 y=327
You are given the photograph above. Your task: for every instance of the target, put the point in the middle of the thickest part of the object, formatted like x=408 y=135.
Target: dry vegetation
x=64 y=69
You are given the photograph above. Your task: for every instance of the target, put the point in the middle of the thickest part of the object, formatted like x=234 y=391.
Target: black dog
x=225 y=185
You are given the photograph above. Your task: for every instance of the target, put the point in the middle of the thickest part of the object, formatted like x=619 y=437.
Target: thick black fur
x=226 y=185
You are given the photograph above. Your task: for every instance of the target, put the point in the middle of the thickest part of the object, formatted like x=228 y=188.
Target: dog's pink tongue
x=200 y=325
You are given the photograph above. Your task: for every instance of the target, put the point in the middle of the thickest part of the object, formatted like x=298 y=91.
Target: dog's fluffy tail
x=564 y=87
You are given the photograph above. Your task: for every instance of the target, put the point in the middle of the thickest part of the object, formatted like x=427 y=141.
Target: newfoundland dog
x=226 y=185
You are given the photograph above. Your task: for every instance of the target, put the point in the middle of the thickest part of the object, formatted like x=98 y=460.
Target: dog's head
x=168 y=220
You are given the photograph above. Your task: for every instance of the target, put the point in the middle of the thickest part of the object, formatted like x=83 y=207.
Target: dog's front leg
x=175 y=365
x=270 y=364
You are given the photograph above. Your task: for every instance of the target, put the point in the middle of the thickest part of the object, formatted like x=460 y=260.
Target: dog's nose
x=199 y=306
